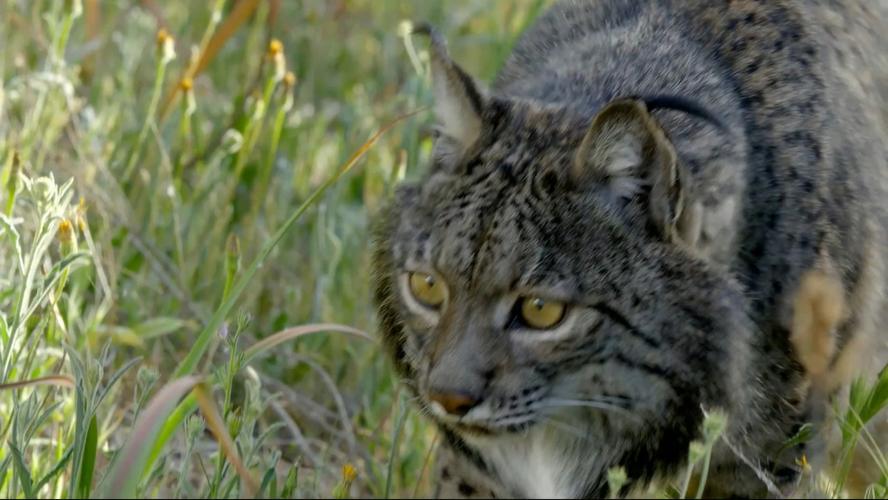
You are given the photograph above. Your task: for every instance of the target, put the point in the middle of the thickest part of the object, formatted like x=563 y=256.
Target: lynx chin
x=657 y=208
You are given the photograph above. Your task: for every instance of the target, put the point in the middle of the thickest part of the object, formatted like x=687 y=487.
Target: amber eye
x=540 y=313
x=427 y=290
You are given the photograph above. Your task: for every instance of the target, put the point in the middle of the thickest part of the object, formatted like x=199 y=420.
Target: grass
x=185 y=201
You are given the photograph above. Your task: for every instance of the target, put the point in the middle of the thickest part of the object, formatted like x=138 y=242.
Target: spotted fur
x=678 y=241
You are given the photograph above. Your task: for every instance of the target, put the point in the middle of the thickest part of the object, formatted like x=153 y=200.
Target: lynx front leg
x=821 y=308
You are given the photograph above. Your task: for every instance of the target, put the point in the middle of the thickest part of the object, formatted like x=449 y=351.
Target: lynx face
x=542 y=276
x=518 y=297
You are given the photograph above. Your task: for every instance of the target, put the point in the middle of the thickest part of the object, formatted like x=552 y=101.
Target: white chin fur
x=532 y=464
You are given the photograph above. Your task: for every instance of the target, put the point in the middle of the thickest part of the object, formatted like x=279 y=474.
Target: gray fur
x=679 y=270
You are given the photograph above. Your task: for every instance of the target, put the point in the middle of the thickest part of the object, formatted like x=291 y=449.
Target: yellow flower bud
x=162 y=37
x=166 y=46
x=275 y=47
x=67 y=241
x=276 y=54
x=290 y=79
x=349 y=473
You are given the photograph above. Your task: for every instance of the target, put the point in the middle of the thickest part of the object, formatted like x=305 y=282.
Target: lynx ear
x=459 y=100
x=627 y=153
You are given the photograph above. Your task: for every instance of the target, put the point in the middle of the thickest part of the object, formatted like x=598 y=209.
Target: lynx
x=658 y=209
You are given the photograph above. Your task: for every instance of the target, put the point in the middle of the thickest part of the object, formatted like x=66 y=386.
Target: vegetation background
x=170 y=175
x=185 y=190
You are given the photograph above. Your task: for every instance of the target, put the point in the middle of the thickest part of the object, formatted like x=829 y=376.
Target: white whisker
x=566 y=427
x=585 y=403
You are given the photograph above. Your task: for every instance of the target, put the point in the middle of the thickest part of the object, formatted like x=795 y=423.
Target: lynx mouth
x=490 y=427
x=494 y=416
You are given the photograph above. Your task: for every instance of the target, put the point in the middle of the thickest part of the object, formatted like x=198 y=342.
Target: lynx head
x=544 y=271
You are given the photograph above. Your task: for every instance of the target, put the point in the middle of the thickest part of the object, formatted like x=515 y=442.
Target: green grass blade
x=21 y=471
x=878 y=397
x=158 y=327
x=175 y=420
x=396 y=440
x=127 y=469
x=189 y=364
x=55 y=471
x=84 y=484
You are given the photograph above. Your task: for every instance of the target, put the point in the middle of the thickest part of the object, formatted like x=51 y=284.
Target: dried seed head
x=696 y=452
x=222 y=332
x=232 y=256
x=405 y=27
x=714 y=424
x=616 y=479
x=236 y=423
x=76 y=7
x=14 y=173
x=146 y=377
x=80 y=215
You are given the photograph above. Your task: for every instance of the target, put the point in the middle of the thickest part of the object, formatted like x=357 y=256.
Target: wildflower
x=275 y=47
x=162 y=37
x=67 y=241
x=166 y=46
x=349 y=474
x=276 y=54
x=289 y=82
x=186 y=85
x=76 y=8
x=802 y=462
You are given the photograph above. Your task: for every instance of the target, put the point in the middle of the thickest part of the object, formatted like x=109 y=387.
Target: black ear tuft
x=459 y=100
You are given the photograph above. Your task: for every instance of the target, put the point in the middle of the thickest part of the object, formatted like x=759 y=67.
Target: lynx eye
x=427 y=290
x=540 y=313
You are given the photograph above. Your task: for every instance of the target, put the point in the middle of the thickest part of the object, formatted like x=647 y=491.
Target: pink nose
x=454 y=403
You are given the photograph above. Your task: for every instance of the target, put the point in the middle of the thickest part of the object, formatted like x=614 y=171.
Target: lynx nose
x=454 y=403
